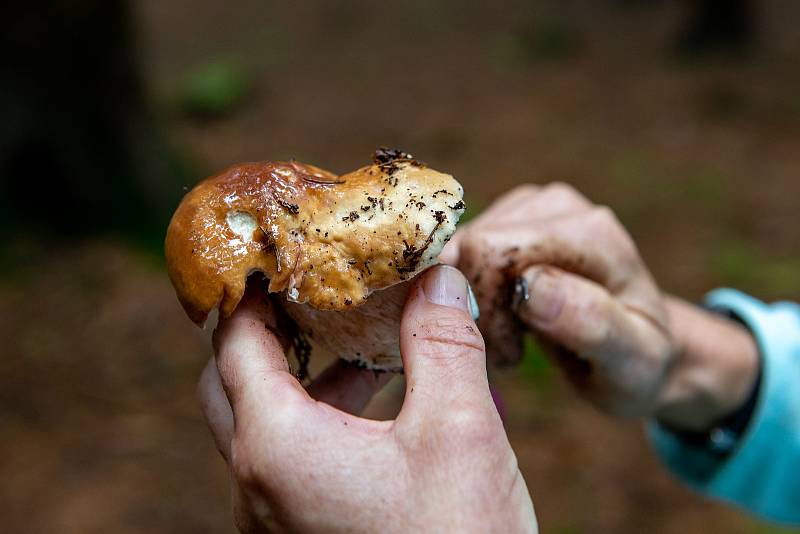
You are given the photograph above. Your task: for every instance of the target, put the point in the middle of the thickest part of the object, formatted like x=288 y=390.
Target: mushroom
x=335 y=249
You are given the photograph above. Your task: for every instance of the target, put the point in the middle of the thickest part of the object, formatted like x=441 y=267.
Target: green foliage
x=647 y=190
x=723 y=101
x=544 y=38
x=214 y=89
x=757 y=527
x=632 y=176
x=535 y=367
x=629 y=170
x=549 y=38
x=740 y=264
x=704 y=189
x=642 y=179
x=505 y=50
x=473 y=209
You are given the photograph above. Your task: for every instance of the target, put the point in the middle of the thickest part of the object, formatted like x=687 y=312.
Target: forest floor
x=99 y=424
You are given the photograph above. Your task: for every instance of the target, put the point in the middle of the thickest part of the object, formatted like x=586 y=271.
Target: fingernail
x=446 y=286
x=546 y=297
x=473 y=303
x=520 y=294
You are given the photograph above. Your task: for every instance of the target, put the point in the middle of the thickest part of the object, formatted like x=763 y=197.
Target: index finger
x=584 y=243
x=251 y=361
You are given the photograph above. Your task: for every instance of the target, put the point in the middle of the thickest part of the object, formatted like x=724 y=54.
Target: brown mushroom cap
x=325 y=240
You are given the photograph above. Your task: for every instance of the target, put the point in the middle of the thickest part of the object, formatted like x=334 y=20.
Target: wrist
x=714 y=371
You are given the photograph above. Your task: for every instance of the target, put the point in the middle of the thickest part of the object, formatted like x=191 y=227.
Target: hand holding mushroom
x=340 y=254
x=301 y=460
x=545 y=260
x=336 y=249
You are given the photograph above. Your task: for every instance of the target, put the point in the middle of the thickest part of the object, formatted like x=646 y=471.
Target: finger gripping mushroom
x=335 y=249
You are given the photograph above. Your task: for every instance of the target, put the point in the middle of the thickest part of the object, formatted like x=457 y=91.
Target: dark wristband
x=723 y=435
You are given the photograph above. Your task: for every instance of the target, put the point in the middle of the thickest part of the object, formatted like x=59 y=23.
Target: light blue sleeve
x=762 y=474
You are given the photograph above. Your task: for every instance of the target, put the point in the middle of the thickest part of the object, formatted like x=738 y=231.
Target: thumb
x=443 y=352
x=577 y=314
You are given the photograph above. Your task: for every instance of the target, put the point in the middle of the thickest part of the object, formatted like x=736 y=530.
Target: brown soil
x=100 y=430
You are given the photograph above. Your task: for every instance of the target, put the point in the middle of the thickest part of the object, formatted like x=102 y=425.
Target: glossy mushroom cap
x=324 y=240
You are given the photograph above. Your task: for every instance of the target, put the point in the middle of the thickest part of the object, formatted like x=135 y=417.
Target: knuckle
x=467 y=240
x=283 y=423
x=565 y=195
x=271 y=423
x=604 y=215
x=524 y=190
x=607 y=221
x=474 y=249
x=451 y=336
x=467 y=419
x=594 y=333
x=565 y=191
x=628 y=256
x=590 y=319
x=614 y=232
x=471 y=424
x=474 y=238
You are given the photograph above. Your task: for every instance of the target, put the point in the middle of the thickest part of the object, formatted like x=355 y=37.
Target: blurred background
x=683 y=116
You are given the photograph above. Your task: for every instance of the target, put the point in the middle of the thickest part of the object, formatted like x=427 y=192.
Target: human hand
x=546 y=260
x=302 y=461
x=580 y=285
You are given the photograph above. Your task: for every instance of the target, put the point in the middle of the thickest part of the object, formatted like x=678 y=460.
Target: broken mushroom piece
x=336 y=248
